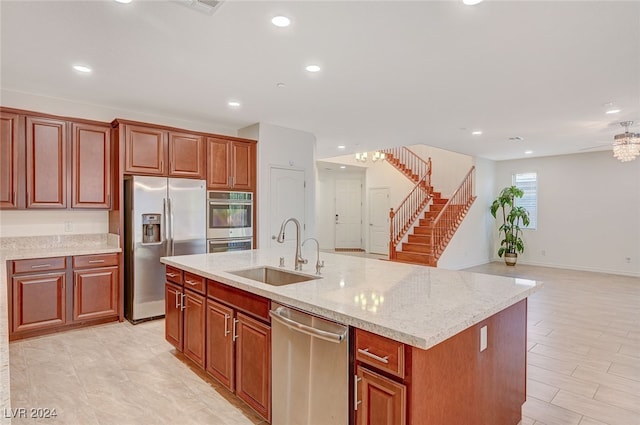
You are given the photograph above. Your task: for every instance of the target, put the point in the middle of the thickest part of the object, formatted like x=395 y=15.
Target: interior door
x=348 y=214
x=287 y=193
x=379 y=220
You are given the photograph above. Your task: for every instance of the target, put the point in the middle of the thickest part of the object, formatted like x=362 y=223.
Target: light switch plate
x=483 y=338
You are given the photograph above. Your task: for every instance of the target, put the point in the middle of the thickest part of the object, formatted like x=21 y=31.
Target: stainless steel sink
x=273 y=276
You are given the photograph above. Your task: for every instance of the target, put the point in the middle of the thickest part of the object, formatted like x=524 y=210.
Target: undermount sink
x=273 y=276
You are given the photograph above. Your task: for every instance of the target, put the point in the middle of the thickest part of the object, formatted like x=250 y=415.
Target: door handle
x=235 y=335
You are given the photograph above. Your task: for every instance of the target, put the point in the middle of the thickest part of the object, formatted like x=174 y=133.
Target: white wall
x=447 y=168
x=286 y=148
x=52 y=222
x=472 y=244
x=588 y=212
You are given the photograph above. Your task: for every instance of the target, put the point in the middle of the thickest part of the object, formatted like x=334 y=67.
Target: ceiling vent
x=208 y=7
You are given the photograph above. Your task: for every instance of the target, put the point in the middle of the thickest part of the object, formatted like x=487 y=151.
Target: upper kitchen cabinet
x=9 y=163
x=157 y=151
x=145 y=150
x=46 y=162
x=231 y=164
x=51 y=162
x=91 y=166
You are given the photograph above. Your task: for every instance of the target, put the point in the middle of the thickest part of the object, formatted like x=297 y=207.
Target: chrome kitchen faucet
x=299 y=261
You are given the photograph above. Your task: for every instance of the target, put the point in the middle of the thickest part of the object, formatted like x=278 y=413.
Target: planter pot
x=510 y=259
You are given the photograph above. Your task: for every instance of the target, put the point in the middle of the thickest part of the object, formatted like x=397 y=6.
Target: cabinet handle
x=235 y=335
x=182 y=307
x=95 y=261
x=356 y=379
x=40 y=266
x=177 y=300
x=172 y=274
x=366 y=352
x=226 y=324
x=191 y=282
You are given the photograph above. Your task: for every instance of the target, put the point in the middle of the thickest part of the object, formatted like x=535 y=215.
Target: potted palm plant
x=512 y=218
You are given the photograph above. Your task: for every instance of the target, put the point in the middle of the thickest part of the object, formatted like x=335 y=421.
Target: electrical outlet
x=543 y=252
x=67 y=226
x=627 y=259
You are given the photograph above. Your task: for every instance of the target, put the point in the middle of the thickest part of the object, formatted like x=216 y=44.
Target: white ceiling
x=393 y=73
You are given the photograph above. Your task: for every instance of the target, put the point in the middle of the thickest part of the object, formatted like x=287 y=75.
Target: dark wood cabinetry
x=95 y=287
x=231 y=164
x=219 y=340
x=9 y=160
x=158 y=151
x=194 y=326
x=452 y=382
x=51 y=162
x=90 y=166
x=173 y=326
x=46 y=163
x=43 y=300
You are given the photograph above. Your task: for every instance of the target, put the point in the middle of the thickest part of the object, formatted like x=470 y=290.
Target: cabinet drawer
x=39 y=265
x=174 y=275
x=383 y=353
x=195 y=282
x=242 y=300
x=97 y=260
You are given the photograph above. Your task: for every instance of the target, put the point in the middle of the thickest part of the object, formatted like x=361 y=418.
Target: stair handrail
x=408 y=211
x=410 y=159
x=446 y=221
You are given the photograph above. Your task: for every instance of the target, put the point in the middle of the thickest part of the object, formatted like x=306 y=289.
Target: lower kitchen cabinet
x=38 y=301
x=219 y=340
x=253 y=363
x=95 y=293
x=380 y=399
x=194 y=326
x=42 y=301
x=173 y=323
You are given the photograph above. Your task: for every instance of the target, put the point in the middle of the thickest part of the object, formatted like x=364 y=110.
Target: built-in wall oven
x=229 y=221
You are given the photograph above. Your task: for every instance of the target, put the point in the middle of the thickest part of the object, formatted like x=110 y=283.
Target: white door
x=348 y=214
x=379 y=220
x=287 y=199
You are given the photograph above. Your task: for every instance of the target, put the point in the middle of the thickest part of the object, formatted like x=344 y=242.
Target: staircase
x=435 y=226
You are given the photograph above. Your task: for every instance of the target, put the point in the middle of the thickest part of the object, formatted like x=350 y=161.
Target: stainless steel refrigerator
x=163 y=217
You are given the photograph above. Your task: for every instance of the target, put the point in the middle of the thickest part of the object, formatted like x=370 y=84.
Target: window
x=528 y=183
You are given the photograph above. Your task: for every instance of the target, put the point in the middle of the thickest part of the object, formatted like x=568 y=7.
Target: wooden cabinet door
x=194 y=325
x=90 y=166
x=173 y=315
x=218 y=158
x=243 y=165
x=46 y=163
x=219 y=340
x=381 y=401
x=145 y=150
x=95 y=293
x=186 y=155
x=253 y=364
x=38 y=301
x=9 y=164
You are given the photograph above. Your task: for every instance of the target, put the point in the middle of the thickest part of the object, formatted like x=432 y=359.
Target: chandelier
x=362 y=157
x=626 y=146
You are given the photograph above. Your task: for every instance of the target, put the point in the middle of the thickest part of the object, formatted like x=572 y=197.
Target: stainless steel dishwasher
x=310 y=369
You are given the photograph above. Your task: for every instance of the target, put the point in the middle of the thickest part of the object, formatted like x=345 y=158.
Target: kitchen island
x=420 y=307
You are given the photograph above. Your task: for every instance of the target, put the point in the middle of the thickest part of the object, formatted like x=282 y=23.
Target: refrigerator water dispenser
x=151 y=228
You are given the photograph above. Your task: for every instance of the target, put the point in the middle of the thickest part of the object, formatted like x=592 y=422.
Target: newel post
x=392 y=236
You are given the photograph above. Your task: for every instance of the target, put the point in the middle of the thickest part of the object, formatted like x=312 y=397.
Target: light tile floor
x=583 y=364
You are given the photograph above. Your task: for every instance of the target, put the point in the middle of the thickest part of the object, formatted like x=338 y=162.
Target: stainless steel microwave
x=229 y=214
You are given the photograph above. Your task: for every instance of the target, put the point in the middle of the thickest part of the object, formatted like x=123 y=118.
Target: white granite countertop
x=417 y=305
x=38 y=247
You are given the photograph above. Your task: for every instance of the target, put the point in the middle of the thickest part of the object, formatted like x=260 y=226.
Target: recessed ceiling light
x=516 y=139
x=341 y=147
x=343 y=166
x=281 y=21
x=82 y=68
x=471 y=2
x=312 y=68
x=528 y=152
x=234 y=104
x=123 y=1
x=613 y=111
x=476 y=132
